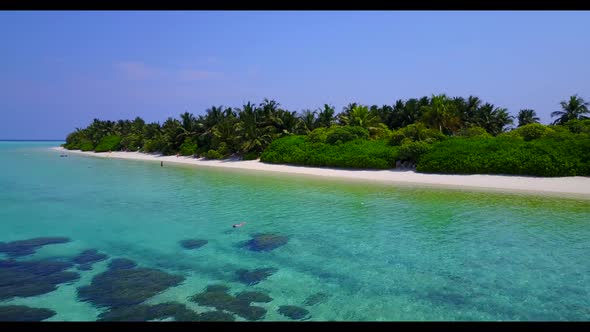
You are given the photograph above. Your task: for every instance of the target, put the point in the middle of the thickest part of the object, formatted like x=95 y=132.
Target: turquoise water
x=375 y=252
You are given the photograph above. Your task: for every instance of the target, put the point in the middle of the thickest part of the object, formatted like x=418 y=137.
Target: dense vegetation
x=434 y=134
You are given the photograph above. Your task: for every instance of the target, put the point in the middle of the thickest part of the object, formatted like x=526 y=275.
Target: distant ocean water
x=333 y=250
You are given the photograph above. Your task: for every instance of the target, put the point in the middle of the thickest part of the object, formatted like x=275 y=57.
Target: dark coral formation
x=253 y=277
x=217 y=288
x=85 y=267
x=221 y=300
x=253 y=297
x=30 y=246
x=143 y=312
x=121 y=263
x=315 y=299
x=21 y=313
x=192 y=243
x=293 y=312
x=216 y=316
x=266 y=242
x=89 y=256
x=32 y=278
x=126 y=287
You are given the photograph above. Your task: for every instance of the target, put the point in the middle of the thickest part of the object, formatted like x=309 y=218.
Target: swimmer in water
x=239 y=225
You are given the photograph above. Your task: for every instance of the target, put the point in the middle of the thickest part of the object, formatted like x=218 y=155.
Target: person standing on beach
x=161 y=164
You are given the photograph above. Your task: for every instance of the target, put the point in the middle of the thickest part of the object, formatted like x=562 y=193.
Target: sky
x=60 y=70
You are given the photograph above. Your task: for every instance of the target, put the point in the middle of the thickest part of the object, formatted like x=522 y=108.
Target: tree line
x=247 y=131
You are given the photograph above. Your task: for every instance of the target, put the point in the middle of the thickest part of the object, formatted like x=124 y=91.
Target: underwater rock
x=248 y=311
x=144 y=312
x=253 y=277
x=250 y=297
x=221 y=300
x=21 y=313
x=30 y=246
x=217 y=288
x=193 y=243
x=125 y=287
x=266 y=242
x=89 y=256
x=121 y=263
x=31 y=278
x=293 y=312
x=85 y=267
x=215 y=316
x=315 y=299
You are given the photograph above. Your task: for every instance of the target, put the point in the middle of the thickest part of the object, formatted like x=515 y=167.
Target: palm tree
x=307 y=121
x=527 y=116
x=493 y=119
x=441 y=114
x=188 y=125
x=359 y=115
x=571 y=110
x=345 y=114
x=326 y=116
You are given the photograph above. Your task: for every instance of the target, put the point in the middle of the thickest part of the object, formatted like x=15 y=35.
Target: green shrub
x=578 y=126
x=188 y=147
x=318 y=135
x=358 y=153
x=533 y=131
x=412 y=151
x=416 y=132
x=108 y=143
x=131 y=142
x=345 y=134
x=86 y=145
x=508 y=155
x=212 y=154
x=154 y=145
x=474 y=132
x=380 y=132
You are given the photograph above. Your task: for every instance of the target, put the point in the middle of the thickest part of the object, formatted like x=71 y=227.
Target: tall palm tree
x=574 y=108
x=326 y=116
x=527 y=116
x=493 y=119
x=345 y=114
x=441 y=114
x=360 y=116
x=308 y=121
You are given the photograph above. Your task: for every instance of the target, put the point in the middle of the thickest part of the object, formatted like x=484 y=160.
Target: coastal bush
x=532 y=131
x=74 y=140
x=339 y=135
x=188 y=147
x=131 y=142
x=108 y=143
x=154 y=145
x=412 y=151
x=317 y=135
x=578 y=126
x=212 y=154
x=86 y=145
x=473 y=132
x=358 y=153
x=509 y=155
x=416 y=132
x=380 y=132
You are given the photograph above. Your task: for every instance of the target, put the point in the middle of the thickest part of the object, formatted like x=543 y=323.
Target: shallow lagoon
x=349 y=251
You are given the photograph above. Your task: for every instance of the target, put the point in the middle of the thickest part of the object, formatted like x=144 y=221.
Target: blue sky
x=59 y=70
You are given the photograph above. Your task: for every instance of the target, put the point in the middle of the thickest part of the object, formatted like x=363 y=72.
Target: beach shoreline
x=566 y=187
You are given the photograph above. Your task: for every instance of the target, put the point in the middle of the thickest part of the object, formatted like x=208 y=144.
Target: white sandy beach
x=576 y=186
